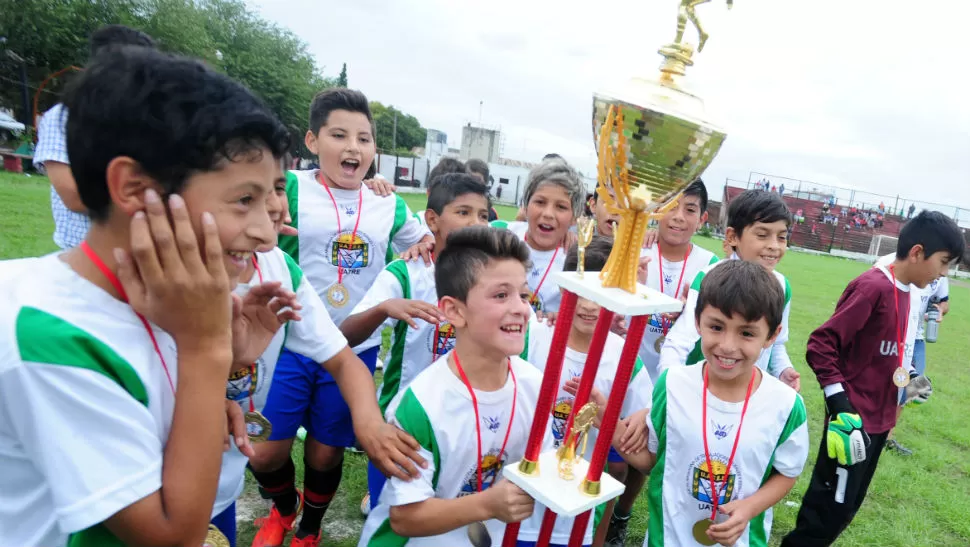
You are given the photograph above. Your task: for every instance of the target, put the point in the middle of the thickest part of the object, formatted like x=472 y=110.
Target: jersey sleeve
x=409 y=414
x=80 y=413
x=683 y=336
x=291 y=244
x=792 y=449
x=780 y=360
x=406 y=230
x=315 y=335
x=387 y=286
x=658 y=415
x=942 y=292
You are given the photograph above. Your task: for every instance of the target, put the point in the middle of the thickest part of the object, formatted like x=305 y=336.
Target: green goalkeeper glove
x=847 y=442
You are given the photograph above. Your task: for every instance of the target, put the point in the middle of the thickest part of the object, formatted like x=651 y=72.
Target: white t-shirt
x=437 y=410
x=674 y=278
x=938 y=290
x=386 y=226
x=411 y=350
x=85 y=405
x=683 y=343
x=314 y=336
x=774 y=435
x=538 y=344
x=544 y=264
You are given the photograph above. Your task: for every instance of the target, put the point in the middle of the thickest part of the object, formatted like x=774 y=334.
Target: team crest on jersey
x=240 y=382
x=699 y=480
x=491 y=466
x=441 y=340
x=350 y=252
x=656 y=323
x=668 y=279
x=535 y=301
x=349 y=210
x=491 y=423
x=560 y=414
x=721 y=431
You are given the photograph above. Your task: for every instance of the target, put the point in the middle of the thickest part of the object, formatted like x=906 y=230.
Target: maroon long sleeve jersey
x=858 y=346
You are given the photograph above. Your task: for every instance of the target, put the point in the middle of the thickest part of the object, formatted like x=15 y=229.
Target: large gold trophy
x=653 y=139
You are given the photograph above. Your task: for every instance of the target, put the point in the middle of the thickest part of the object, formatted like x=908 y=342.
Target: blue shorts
x=520 y=543
x=919 y=363
x=375 y=483
x=614 y=456
x=226 y=523
x=305 y=394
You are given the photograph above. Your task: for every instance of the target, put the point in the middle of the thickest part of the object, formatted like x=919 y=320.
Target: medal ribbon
x=116 y=283
x=900 y=333
x=478 y=422
x=336 y=210
x=535 y=294
x=715 y=496
x=664 y=323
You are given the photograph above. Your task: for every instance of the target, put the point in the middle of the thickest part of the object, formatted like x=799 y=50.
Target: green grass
x=922 y=500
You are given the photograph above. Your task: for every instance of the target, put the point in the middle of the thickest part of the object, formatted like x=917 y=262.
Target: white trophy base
x=646 y=301
x=561 y=496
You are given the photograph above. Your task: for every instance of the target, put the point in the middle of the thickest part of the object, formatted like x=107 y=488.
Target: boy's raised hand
x=509 y=503
x=792 y=378
x=595 y=396
x=422 y=249
x=408 y=310
x=171 y=281
x=633 y=439
x=729 y=532
x=391 y=450
x=380 y=186
x=257 y=317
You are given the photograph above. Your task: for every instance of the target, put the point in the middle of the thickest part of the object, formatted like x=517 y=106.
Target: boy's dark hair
x=744 y=288
x=445 y=166
x=699 y=189
x=468 y=252
x=753 y=206
x=449 y=187
x=111 y=36
x=173 y=115
x=550 y=156
x=337 y=98
x=477 y=166
x=597 y=253
x=935 y=232
x=371 y=171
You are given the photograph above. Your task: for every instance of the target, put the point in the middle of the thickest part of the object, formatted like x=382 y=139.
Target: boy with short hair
x=727 y=441
x=757 y=231
x=479 y=168
x=404 y=295
x=471 y=411
x=445 y=166
x=346 y=236
x=97 y=338
x=637 y=401
x=674 y=260
x=858 y=355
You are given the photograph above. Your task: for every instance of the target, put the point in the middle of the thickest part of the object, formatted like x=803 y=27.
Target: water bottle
x=932 y=323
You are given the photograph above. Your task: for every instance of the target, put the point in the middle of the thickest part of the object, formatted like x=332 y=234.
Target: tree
x=409 y=131
x=342 y=79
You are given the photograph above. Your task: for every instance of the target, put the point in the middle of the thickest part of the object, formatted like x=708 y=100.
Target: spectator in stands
x=912 y=209
x=773 y=189
x=71 y=221
x=781 y=189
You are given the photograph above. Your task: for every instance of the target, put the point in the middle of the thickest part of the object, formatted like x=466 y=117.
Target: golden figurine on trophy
x=584 y=232
x=574 y=446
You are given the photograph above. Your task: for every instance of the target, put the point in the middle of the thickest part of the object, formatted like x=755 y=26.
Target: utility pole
x=394 y=147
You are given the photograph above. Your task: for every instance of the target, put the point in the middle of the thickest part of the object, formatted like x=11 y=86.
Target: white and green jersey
x=683 y=343
x=411 y=350
x=544 y=265
x=314 y=336
x=386 y=226
x=774 y=438
x=437 y=411
x=538 y=344
x=85 y=406
x=698 y=259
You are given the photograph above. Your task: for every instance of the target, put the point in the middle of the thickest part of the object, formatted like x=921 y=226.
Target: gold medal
x=478 y=535
x=900 y=377
x=215 y=538
x=337 y=295
x=659 y=343
x=258 y=427
x=700 y=532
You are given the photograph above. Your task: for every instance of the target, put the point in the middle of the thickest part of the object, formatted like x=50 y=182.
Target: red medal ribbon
x=478 y=422
x=336 y=210
x=715 y=496
x=116 y=283
x=535 y=294
x=664 y=323
x=900 y=333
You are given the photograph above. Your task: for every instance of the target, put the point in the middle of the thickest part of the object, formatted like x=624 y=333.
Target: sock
x=278 y=486
x=617 y=517
x=319 y=489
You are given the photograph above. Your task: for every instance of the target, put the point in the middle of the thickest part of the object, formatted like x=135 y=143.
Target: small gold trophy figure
x=574 y=446
x=584 y=233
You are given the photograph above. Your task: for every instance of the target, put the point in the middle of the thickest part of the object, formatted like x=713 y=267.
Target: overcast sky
x=870 y=94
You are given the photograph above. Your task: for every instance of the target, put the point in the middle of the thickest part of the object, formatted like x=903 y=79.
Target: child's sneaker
x=365 y=505
x=616 y=535
x=271 y=531
x=308 y=541
x=898 y=448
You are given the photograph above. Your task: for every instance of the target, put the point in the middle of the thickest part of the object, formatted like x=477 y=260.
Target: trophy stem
x=622 y=266
x=579 y=529
x=593 y=357
x=545 y=531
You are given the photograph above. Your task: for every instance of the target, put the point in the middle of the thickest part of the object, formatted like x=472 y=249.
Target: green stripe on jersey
x=525 y=349
x=391 y=382
x=291 y=244
x=95 y=536
x=44 y=338
x=499 y=224
x=714 y=259
x=400 y=217
x=296 y=274
x=787 y=291
x=658 y=420
x=757 y=535
x=413 y=419
x=384 y=536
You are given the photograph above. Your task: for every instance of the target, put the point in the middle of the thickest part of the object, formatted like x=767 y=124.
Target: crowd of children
x=219 y=303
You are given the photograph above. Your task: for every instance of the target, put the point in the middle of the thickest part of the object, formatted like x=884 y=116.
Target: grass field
x=921 y=500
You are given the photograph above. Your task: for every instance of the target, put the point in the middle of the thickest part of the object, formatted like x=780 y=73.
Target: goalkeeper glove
x=847 y=442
